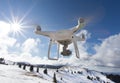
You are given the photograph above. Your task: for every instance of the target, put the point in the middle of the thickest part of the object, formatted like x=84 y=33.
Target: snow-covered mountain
x=28 y=73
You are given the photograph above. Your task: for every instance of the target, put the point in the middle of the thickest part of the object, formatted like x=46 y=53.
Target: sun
x=17 y=23
x=16 y=27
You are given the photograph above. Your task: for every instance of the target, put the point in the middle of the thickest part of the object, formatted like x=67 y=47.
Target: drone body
x=63 y=37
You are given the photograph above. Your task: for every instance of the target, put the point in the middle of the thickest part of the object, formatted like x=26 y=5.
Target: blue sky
x=54 y=15
x=63 y=14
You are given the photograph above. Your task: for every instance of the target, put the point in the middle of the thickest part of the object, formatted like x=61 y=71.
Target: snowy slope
x=12 y=74
x=65 y=74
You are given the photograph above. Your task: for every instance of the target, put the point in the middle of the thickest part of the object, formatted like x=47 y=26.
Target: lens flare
x=17 y=24
x=16 y=28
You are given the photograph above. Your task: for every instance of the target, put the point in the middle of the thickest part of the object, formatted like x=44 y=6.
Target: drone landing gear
x=65 y=52
x=75 y=46
x=50 y=44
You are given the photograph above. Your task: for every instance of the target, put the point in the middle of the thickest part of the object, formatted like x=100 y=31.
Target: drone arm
x=81 y=23
x=40 y=32
x=44 y=33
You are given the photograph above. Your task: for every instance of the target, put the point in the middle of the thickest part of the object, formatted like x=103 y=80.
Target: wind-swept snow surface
x=12 y=74
x=65 y=74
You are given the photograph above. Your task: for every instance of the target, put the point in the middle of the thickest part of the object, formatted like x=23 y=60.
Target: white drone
x=63 y=37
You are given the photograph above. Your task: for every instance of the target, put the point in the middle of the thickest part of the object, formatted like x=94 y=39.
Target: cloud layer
x=108 y=53
x=30 y=45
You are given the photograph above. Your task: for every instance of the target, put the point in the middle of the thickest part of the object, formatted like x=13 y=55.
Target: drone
x=63 y=37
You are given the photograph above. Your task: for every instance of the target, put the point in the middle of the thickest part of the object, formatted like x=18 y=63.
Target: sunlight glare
x=16 y=27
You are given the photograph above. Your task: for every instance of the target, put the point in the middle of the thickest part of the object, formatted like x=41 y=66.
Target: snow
x=105 y=69
x=12 y=74
x=65 y=74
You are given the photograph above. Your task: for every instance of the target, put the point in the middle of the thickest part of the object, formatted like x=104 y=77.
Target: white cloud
x=109 y=51
x=27 y=52
x=4 y=29
x=17 y=45
x=30 y=45
x=6 y=42
x=11 y=49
